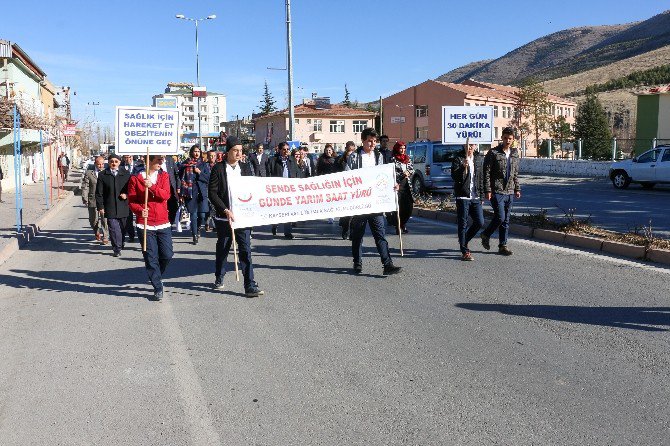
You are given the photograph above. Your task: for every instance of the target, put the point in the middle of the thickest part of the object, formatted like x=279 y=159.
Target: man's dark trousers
x=117 y=230
x=377 y=227
x=158 y=255
x=223 y=243
x=130 y=228
x=502 y=210
x=465 y=208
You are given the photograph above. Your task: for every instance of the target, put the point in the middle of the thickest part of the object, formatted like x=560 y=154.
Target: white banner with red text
x=257 y=201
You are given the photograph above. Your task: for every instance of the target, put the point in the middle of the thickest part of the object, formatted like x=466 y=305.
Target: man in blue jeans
x=468 y=175
x=501 y=185
x=364 y=157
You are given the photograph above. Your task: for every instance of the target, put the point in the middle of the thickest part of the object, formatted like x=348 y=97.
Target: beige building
x=316 y=124
x=416 y=112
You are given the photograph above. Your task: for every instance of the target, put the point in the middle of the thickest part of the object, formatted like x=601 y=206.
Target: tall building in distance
x=212 y=112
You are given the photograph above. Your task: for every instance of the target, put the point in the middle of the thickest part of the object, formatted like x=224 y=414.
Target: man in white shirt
x=364 y=157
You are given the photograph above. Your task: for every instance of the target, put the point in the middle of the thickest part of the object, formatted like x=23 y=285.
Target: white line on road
x=631 y=263
x=198 y=417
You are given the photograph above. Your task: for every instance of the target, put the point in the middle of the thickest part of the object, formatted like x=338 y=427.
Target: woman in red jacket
x=158 y=250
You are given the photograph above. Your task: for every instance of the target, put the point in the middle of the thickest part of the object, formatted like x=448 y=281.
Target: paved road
x=550 y=346
x=609 y=208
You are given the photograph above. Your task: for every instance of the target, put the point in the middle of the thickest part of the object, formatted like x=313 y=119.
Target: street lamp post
x=197 y=61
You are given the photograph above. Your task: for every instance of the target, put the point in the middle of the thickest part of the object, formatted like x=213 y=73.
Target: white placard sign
x=462 y=122
x=139 y=128
x=258 y=201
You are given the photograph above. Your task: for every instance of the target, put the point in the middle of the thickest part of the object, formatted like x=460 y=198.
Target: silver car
x=651 y=167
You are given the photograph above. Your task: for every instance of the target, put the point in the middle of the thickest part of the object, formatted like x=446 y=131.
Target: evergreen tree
x=268 y=102
x=592 y=128
x=560 y=131
x=533 y=103
x=347 y=101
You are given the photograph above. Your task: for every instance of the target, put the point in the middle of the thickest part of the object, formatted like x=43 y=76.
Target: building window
x=495 y=111
x=422 y=132
x=337 y=126
x=504 y=112
x=495 y=132
x=359 y=126
x=309 y=122
x=216 y=109
x=216 y=119
x=296 y=120
x=467 y=104
x=421 y=111
x=203 y=109
x=216 y=100
x=316 y=127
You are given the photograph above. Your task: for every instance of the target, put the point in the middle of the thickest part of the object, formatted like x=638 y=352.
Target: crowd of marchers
x=126 y=199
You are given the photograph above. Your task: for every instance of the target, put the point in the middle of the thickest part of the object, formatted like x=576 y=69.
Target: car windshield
x=443 y=153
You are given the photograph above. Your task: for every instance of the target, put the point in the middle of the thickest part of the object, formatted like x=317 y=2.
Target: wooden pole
x=146 y=201
x=397 y=213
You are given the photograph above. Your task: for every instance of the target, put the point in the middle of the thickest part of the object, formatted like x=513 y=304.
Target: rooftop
x=311 y=110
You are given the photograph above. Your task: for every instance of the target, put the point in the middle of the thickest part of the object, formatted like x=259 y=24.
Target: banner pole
x=397 y=213
x=232 y=234
x=146 y=201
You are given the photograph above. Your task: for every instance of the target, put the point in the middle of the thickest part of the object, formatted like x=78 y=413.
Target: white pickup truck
x=652 y=167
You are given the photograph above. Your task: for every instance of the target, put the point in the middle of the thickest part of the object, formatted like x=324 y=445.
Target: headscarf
x=403 y=158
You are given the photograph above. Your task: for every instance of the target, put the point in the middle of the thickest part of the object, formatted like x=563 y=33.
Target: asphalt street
x=549 y=346
x=621 y=210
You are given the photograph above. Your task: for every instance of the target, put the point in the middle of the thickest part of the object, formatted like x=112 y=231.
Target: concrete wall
x=545 y=166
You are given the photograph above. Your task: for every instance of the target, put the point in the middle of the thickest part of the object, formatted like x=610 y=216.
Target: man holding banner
x=154 y=219
x=224 y=219
x=364 y=157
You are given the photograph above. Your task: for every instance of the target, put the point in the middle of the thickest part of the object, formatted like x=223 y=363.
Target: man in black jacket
x=220 y=199
x=501 y=185
x=111 y=199
x=284 y=166
x=363 y=157
x=259 y=161
x=468 y=174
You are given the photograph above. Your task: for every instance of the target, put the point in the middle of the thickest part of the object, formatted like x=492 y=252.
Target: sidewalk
x=35 y=212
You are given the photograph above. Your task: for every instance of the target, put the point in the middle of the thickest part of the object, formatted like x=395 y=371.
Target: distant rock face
x=568 y=52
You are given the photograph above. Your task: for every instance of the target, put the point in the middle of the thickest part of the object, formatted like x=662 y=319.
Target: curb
x=634 y=252
x=31 y=230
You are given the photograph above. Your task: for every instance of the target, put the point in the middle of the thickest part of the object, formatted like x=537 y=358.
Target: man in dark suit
x=88 y=187
x=259 y=161
x=111 y=199
x=283 y=166
x=220 y=199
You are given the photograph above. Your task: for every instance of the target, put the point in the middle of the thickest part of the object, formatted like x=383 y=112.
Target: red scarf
x=403 y=158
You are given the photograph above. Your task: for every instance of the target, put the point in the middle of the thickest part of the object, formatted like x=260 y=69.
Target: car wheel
x=648 y=185
x=620 y=179
x=417 y=186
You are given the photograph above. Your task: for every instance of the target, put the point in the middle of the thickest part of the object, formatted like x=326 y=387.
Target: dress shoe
x=358 y=268
x=254 y=292
x=391 y=269
x=502 y=250
x=288 y=236
x=486 y=243
x=117 y=254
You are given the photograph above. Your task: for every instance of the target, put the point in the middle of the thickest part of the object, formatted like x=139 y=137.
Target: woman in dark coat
x=403 y=173
x=326 y=163
x=193 y=192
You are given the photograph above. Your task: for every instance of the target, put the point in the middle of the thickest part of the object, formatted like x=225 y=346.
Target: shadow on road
x=635 y=318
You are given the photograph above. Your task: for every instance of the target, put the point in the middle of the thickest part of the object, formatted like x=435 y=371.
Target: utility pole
x=289 y=64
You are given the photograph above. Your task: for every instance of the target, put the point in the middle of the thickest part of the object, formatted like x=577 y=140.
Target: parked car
x=432 y=165
x=652 y=167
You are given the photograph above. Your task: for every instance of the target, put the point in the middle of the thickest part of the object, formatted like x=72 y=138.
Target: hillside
x=578 y=82
x=570 y=51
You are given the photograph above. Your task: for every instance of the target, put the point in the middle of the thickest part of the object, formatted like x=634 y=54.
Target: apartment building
x=317 y=123
x=416 y=112
x=212 y=112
